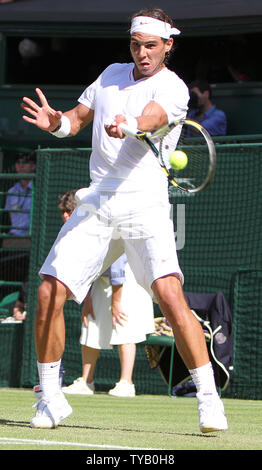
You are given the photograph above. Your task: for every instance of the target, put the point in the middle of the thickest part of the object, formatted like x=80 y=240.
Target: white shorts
x=104 y=226
x=136 y=304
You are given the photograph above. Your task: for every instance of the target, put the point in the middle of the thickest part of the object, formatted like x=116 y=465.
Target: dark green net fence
x=222 y=237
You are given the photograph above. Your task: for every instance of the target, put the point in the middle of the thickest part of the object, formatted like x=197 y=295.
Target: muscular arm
x=152 y=118
x=80 y=117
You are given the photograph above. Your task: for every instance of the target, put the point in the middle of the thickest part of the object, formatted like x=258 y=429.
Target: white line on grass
x=10 y=440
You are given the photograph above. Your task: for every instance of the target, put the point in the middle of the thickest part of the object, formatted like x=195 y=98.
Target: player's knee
x=51 y=294
x=45 y=290
x=168 y=291
x=172 y=301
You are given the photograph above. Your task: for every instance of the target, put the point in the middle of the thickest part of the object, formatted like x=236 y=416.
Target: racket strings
x=168 y=143
x=191 y=141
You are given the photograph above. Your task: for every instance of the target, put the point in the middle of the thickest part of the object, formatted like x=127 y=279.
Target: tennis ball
x=178 y=160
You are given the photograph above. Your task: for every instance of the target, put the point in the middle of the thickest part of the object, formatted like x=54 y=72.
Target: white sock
x=203 y=378
x=49 y=377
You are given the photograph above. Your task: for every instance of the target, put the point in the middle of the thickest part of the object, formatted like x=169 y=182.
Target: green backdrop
x=222 y=251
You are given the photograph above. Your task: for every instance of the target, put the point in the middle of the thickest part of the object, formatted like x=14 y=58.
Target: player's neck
x=139 y=75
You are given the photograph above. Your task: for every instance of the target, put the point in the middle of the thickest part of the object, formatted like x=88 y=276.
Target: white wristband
x=131 y=123
x=64 y=129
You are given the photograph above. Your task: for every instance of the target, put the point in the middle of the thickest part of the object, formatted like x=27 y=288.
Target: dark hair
x=158 y=14
x=26 y=157
x=202 y=85
x=67 y=201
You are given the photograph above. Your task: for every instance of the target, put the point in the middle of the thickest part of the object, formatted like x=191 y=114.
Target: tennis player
x=126 y=208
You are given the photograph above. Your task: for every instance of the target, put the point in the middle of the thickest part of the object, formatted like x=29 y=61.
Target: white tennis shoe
x=50 y=411
x=211 y=413
x=123 y=389
x=79 y=387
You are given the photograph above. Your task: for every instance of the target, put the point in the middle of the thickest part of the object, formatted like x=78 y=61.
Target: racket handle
x=127 y=130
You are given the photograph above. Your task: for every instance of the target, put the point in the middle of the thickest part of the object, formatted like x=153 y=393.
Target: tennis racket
x=193 y=140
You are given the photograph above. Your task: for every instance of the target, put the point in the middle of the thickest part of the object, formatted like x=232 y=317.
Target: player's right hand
x=44 y=117
x=113 y=129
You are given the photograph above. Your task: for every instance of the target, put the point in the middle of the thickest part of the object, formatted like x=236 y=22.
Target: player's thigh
x=153 y=254
x=78 y=254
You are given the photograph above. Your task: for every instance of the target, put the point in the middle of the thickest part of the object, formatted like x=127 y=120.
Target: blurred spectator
x=202 y=109
x=16 y=243
x=238 y=74
x=19 y=199
x=19 y=309
x=242 y=63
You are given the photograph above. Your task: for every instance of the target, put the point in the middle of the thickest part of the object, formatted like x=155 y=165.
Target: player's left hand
x=43 y=116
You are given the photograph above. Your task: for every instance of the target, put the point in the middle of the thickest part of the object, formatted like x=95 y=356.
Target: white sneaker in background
x=79 y=387
x=123 y=389
x=50 y=411
x=38 y=391
x=211 y=413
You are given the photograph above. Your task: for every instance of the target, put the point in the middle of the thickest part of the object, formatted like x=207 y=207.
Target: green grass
x=144 y=422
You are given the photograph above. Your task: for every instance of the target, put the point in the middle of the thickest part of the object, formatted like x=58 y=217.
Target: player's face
x=148 y=53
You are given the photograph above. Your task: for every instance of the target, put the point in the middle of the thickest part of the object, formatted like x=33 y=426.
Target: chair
x=167 y=341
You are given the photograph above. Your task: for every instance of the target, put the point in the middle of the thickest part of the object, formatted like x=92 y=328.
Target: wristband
x=63 y=130
x=131 y=123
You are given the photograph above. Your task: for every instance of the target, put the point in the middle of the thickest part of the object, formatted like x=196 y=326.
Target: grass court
x=145 y=423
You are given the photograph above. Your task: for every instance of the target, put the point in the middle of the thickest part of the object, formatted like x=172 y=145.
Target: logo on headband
x=153 y=26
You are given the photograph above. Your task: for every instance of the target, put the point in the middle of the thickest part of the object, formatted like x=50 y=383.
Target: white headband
x=146 y=24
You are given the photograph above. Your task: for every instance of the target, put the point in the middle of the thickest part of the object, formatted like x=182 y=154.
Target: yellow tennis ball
x=178 y=160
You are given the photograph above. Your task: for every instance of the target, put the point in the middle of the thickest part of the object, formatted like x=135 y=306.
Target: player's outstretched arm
x=43 y=116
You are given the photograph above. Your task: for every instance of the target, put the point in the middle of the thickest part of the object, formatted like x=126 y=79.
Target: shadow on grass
x=8 y=422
